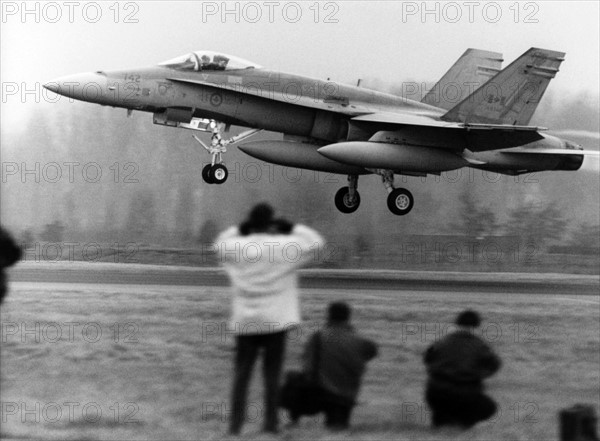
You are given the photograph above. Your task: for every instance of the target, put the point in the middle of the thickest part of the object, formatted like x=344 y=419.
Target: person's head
x=468 y=319
x=261 y=220
x=338 y=312
x=261 y=216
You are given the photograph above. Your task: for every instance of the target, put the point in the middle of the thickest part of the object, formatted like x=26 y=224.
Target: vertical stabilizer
x=474 y=68
x=511 y=96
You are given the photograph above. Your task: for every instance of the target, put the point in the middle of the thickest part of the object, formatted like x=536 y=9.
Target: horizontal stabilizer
x=553 y=152
x=504 y=127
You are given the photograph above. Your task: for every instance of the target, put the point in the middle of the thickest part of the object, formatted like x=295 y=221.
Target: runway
x=144 y=352
x=347 y=279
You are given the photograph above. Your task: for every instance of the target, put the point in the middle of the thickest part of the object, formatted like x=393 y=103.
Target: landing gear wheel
x=216 y=172
x=207 y=175
x=219 y=173
x=343 y=202
x=400 y=201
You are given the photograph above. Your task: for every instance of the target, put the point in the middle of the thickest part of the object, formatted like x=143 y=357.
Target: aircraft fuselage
x=274 y=104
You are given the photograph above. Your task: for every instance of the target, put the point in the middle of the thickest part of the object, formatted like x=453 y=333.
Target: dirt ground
x=139 y=362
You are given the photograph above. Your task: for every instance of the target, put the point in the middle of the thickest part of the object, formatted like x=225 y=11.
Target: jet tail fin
x=471 y=70
x=512 y=95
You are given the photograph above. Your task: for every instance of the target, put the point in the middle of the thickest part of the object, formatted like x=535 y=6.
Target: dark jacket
x=342 y=360
x=9 y=254
x=461 y=358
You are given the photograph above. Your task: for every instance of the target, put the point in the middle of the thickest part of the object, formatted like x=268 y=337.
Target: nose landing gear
x=216 y=172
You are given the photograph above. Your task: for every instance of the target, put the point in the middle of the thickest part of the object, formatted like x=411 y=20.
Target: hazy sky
x=386 y=41
x=391 y=41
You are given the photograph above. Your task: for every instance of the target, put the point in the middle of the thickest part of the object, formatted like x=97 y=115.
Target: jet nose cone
x=85 y=87
x=52 y=86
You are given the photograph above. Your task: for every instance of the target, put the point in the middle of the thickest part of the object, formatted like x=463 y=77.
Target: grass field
x=119 y=362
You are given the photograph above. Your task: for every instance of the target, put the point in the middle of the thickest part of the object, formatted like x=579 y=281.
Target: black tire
x=207 y=175
x=342 y=202
x=400 y=201
x=219 y=173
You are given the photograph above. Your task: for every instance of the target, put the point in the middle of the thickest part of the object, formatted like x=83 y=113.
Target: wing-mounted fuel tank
x=396 y=157
x=296 y=154
x=400 y=150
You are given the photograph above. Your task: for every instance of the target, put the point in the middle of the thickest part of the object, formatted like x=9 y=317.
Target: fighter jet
x=477 y=116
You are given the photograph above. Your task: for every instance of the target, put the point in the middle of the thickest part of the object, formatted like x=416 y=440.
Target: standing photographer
x=261 y=257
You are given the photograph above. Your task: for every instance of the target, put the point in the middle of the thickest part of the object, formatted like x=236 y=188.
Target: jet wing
x=331 y=105
x=411 y=119
x=426 y=130
x=405 y=119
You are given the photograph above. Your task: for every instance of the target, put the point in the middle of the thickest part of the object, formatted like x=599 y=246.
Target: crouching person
x=335 y=358
x=457 y=366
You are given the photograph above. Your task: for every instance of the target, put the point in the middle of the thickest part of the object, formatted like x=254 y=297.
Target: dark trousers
x=312 y=400
x=247 y=347
x=337 y=416
x=456 y=404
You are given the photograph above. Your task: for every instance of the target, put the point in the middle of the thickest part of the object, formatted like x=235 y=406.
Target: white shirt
x=262 y=269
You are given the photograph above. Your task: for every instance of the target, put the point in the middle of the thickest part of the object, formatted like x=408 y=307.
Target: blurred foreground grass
x=110 y=362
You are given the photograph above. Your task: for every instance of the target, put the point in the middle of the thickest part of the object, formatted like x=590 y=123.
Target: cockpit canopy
x=208 y=60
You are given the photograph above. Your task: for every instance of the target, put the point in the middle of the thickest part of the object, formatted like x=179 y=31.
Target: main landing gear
x=216 y=172
x=347 y=199
x=399 y=201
